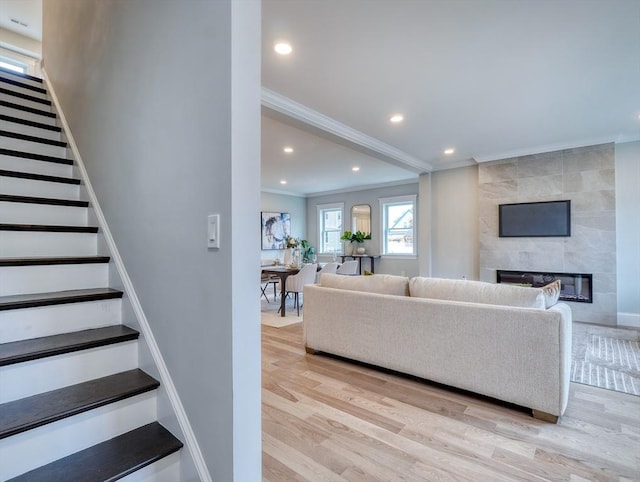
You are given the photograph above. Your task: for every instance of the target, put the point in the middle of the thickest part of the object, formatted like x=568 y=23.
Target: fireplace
x=574 y=286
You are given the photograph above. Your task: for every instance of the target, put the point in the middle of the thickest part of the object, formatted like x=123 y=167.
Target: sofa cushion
x=385 y=284
x=477 y=292
x=551 y=293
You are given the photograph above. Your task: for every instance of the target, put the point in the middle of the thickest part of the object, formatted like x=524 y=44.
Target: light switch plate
x=213 y=231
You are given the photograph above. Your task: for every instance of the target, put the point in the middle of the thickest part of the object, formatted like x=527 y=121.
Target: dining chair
x=265 y=281
x=348 y=268
x=327 y=268
x=295 y=283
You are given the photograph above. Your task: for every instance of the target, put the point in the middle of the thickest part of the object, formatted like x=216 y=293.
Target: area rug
x=607 y=361
x=269 y=315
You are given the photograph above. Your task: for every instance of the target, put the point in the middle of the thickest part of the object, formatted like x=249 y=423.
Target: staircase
x=74 y=406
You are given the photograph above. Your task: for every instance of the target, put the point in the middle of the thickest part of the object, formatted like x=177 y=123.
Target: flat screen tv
x=539 y=219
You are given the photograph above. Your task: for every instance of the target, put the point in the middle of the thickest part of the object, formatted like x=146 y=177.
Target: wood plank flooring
x=326 y=419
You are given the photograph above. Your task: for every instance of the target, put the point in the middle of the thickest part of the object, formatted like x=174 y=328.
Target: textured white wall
x=165 y=145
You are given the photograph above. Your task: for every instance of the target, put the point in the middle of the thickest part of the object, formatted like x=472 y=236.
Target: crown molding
x=299 y=112
x=528 y=151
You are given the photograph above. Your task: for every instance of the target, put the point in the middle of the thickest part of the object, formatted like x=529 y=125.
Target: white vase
x=361 y=249
x=288 y=256
x=348 y=248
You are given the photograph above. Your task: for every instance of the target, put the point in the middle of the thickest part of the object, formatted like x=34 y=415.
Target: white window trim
x=319 y=209
x=399 y=199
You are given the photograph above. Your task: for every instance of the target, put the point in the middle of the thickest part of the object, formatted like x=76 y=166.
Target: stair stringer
x=171 y=411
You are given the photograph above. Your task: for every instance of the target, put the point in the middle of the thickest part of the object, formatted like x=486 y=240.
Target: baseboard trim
x=190 y=441
x=629 y=319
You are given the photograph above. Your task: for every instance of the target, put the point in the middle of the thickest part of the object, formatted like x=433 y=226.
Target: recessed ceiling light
x=283 y=182
x=288 y=150
x=449 y=151
x=355 y=168
x=395 y=118
x=283 y=48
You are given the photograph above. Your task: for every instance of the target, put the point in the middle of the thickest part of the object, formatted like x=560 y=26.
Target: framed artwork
x=275 y=229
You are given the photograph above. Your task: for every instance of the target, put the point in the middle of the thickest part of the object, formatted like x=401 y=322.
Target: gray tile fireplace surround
x=586 y=176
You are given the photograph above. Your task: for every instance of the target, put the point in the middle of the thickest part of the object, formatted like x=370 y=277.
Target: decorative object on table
x=275 y=228
x=358 y=237
x=290 y=245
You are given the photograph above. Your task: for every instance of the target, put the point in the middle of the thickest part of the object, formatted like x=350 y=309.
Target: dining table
x=282 y=272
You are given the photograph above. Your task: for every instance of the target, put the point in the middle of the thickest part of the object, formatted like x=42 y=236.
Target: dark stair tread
x=19 y=74
x=28 y=97
x=32 y=412
x=37 y=157
x=111 y=460
x=33 y=300
x=42 y=261
x=24 y=108
x=35 y=348
x=48 y=228
x=39 y=177
x=43 y=200
x=25 y=137
x=39 y=125
x=22 y=85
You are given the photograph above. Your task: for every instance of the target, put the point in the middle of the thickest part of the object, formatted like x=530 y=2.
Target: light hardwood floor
x=326 y=419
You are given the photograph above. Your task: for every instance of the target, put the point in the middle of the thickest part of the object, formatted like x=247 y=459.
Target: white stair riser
x=53 y=441
x=22 y=90
x=21 y=244
x=29 y=130
x=16 y=280
x=18 y=78
x=24 y=102
x=167 y=469
x=30 y=213
x=30 y=187
x=33 y=166
x=61 y=371
x=43 y=119
x=42 y=321
x=32 y=147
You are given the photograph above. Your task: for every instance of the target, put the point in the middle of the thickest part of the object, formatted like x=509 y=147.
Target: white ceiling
x=491 y=78
x=27 y=13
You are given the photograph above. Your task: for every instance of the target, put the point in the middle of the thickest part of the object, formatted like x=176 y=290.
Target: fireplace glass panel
x=574 y=286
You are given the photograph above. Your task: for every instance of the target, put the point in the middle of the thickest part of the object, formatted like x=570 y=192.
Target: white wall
x=389 y=265
x=628 y=232
x=164 y=147
x=454 y=223
x=282 y=203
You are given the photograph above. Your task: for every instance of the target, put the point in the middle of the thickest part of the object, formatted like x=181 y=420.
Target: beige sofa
x=507 y=342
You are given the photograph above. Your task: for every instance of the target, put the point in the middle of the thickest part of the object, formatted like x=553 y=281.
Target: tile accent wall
x=584 y=175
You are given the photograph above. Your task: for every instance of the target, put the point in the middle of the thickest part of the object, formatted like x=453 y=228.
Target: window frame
x=383 y=202
x=320 y=209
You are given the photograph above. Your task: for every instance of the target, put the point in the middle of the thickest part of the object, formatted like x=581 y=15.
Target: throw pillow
x=551 y=293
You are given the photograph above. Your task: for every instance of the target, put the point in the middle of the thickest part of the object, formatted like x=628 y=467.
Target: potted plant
x=357 y=237
x=308 y=251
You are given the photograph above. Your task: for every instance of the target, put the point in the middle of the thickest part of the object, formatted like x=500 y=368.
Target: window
x=398 y=230
x=330 y=227
x=13 y=65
